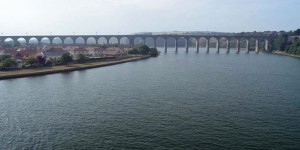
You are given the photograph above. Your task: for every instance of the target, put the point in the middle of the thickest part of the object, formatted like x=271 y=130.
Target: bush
x=41 y=60
x=30 y=60
x=3 y=57
x=153 y=52
x=48 y=63
x=66 y=58
x=8 y=64
x=81 y=58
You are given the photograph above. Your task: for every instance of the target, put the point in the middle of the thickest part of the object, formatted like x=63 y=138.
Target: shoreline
x=66 y=68
x=285 y=54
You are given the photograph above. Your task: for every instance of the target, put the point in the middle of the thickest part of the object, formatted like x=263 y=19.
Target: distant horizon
x=157 y=32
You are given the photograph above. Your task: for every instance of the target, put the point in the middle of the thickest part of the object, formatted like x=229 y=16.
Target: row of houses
x=56 y=52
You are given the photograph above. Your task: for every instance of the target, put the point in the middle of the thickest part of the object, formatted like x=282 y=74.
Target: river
x=175 y=101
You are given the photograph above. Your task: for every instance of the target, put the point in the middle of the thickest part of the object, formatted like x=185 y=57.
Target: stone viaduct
x=131 y=40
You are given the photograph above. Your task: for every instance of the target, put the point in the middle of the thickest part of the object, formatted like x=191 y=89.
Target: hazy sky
x=129 y=16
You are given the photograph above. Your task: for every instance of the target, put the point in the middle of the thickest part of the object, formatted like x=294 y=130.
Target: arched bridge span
x=140 y=39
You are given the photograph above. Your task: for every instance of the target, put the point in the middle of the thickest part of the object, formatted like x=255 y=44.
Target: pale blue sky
x=130 y=16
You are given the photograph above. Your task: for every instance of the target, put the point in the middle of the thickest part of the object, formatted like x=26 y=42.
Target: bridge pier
x=85 y=41
x=131 y=41
x=1 y=42
x=267 y=45
x=118 y=40
x=247 y=46
x=197 y=45
x=207 y=45
x=228 y=46
x=218 y=46
x=176 y=46
x=165 y=44
x=238 y=45
x=257 y=46
x=186 y=45
x=39 y=41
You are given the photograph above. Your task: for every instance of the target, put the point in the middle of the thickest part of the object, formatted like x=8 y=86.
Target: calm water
x=175 y=101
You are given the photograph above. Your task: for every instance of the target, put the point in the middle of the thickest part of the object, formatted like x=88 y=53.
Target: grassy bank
x=67 y=68
x=285 y=53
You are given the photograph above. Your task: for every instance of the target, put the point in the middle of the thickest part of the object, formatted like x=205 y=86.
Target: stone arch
x=138 y=41
x=244 y=44
x=33 y=41
x=233 y=42
x=124 y=41
x=150 y=42
x=214 y=43
x=91 y=41
x=113 y=41
x=69 y=41
x=204 y=43
x=57 y=41
x=224 y=43
x=80 y=41
x=9 y=42
x=22 y=41
x=192 y=41
x=161 y=42
x=45 y=41
x=254 y=44
x=102 y=41
x=171 y=42
x=181 y=41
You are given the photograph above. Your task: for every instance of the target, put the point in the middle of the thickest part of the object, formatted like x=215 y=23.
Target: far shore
x=66 y=68
x=285 y=53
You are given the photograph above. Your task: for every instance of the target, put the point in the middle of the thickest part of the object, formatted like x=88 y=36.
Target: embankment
x=67 y=68
x=286 y=54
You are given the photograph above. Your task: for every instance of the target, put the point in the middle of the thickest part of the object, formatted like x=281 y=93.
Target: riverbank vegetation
x=144 y=50
x=283 y=43
x=8 y=62
x=64 y=68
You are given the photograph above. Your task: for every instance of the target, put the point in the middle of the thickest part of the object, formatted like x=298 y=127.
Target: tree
x=293 y=47
x=3 y=57
x=280 y=42
x=30 y=60
x=297 y=32
x=41 y=60
x=133 y=51
x=8 y=64
x=81 y=58
x=66 y=58
x=153 y=52
x=48 y=63
x=144 y=49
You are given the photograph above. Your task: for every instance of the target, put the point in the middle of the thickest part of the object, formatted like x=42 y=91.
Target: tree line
x=144 y=50
x=282 y=43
